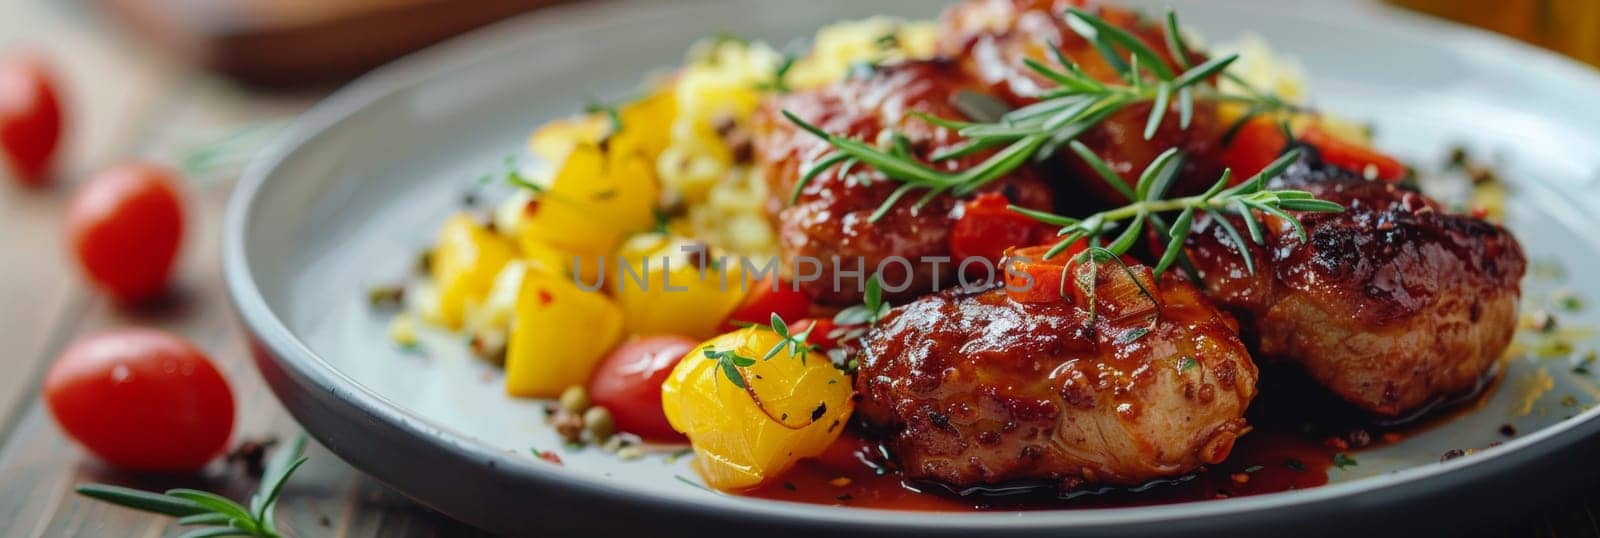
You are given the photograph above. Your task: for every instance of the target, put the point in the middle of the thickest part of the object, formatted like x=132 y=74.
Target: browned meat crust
x=973 y=388
x=994 y=37
x=1391 y=304
x=830 y=218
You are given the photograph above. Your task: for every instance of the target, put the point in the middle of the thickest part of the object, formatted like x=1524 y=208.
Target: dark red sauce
x=1298 y=429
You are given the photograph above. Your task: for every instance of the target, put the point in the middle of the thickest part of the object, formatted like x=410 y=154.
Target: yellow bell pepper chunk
x=595 y=201
x=788 y=408
x=661 y=288
x=560 y=333
x=464 y=264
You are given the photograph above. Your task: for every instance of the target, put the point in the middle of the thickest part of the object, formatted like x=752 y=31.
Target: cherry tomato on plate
x=126 y=225
x=1354 y=157
x=628 y=384
x=764 y=300
x=141 y=400
x=1260 y=141
x=1033 y=278
x=30 y=117
x=987 y=227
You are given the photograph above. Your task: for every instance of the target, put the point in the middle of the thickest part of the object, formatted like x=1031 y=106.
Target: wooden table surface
x=127 y=102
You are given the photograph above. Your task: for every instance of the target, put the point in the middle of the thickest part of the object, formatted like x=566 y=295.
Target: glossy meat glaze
x=1390 y=304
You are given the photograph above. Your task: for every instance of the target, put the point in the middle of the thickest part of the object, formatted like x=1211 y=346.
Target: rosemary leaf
x=142 y=500
x=1158 y=110
x=1104 y=32
x=1176 y=234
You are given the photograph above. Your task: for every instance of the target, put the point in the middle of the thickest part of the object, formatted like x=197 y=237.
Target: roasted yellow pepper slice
x=749 y=417
x=597 y=199
x=560 y=332
x=464 y=264
x=662 y=289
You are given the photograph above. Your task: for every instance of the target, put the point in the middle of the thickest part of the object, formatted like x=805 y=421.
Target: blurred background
x=197 y=86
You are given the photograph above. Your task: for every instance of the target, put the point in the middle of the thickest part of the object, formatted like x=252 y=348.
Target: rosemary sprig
x=1242 y=200
x=214 y=514
x=1035 y=132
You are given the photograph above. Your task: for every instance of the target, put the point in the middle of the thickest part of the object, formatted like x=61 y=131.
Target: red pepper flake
x=1336 y=444
x=545 y=298
x=1240 y=478
x=531 y=208
x=1392 y=437
x=547 y=455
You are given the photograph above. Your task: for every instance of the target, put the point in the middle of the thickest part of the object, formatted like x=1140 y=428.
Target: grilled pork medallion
x=974 y=388
x=1391 y=304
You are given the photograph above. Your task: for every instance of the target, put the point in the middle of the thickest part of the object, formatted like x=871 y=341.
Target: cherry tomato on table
x=126 y=225
x=628 y=384
x=764 y=300
x=141 y=400
x=30 y=117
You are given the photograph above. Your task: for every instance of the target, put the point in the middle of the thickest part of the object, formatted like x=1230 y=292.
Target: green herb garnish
x=598 y=107
x=779 y=82
x=215 y=514
x=1033 y=133
x=1343 y=461
x=1242 y=200
x=870 y=311
x=798 y=343
x=730 y=362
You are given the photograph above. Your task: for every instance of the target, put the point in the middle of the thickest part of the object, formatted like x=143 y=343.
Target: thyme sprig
x=871 y=309
x=798 y=343
x=1242 y=200
x=214 y=514
x=732 y=363
x=1076 y=104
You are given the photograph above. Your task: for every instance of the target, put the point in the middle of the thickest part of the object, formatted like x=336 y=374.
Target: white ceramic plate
x=349 y=197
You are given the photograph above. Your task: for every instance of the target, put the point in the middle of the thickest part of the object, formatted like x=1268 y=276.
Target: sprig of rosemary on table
x=1035 y=132
x=214 y=514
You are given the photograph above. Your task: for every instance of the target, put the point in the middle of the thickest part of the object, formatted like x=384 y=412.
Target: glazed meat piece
x=1392 y=304
x=994 y=37
x=972 y=388
x=829 y=220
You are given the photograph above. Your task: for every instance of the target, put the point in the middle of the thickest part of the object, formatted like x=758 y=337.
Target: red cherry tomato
x=126 y=225
x=141 y=400
x=1033 y=278
x=763 y=301
x=1352 y=156
x=628 y=384
x=1261 y=141
x=987 y=227
x=30 y=117
x=1257 y=143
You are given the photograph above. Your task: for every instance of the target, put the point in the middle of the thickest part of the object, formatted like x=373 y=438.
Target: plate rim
x=291 y=353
